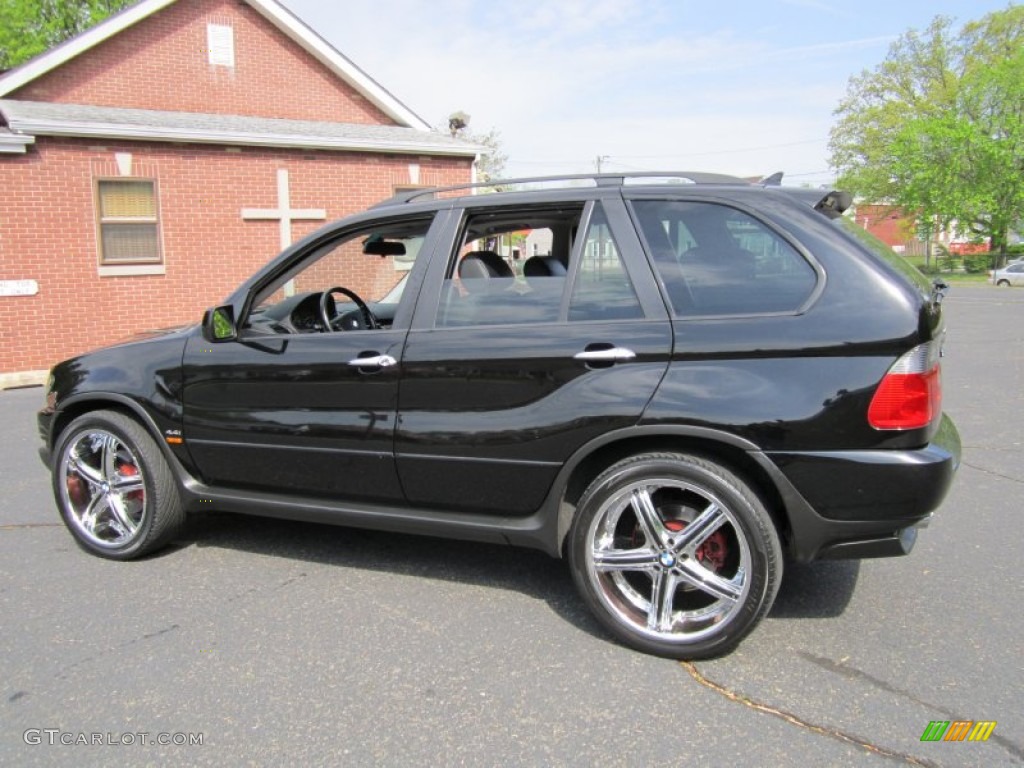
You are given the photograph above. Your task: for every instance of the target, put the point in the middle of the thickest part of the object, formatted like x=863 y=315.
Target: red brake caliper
x=130 y=470
x=712 y=552
x=76 y=490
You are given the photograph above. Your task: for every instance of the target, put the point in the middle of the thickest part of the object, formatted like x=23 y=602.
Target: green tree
x=29 y=27
x=936 y=128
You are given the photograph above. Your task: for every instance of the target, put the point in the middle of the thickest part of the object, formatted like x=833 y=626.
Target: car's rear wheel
x=114 y=487
x=675 y=555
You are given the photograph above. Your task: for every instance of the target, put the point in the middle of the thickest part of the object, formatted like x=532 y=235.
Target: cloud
x=743 y=145
x=822 y=6
x=575 y=17
x=821 y=50
x=565 y=81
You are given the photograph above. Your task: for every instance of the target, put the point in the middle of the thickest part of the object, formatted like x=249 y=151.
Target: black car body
x=676 y=386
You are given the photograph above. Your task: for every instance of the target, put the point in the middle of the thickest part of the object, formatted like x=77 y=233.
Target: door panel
x=291 y=415
x=297 y=408
x=493 y=397
x=488 y=419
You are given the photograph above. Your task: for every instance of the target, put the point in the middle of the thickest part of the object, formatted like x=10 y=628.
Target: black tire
x=657 y=588
x=114 y=488
x=1003 y=284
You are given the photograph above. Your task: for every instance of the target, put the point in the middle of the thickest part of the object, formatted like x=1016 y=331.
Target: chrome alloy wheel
x=102 y=488
x=669 y=559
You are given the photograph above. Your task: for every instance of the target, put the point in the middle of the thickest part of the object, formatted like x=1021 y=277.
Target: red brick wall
x=886 y=222
x=48 y=233
x=161 y=63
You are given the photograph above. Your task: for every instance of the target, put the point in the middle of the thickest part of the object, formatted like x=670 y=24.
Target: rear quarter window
x=716 y=260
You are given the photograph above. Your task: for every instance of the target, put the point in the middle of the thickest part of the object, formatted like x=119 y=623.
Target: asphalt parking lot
x=284 y=643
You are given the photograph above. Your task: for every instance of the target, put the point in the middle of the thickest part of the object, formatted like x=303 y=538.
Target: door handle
x=605 y=355
x=373 y=361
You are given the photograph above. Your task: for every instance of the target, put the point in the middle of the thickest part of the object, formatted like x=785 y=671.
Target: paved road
x=300 y=644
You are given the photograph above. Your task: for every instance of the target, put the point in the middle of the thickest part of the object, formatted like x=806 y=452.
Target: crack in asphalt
x=258 y=589
x=852 y=673
x=60 y=674
x=792 y=719
x=992 y=472
x=993 y=448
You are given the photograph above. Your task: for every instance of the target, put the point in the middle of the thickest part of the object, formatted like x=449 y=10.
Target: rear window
x=885 y=253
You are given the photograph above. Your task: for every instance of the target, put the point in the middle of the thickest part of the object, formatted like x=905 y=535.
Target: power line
x=726 y=151
x=826 y=172
x=615 y=158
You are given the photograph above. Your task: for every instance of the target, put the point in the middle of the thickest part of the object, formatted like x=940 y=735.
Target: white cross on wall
x=284 y=213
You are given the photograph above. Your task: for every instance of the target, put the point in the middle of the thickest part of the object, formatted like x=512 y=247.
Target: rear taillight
x=910 y=394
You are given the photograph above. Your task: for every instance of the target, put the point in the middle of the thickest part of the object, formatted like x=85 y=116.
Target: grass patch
x=961 y=278
x=971 y=270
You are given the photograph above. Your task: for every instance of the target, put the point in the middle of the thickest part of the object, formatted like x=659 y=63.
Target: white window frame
x=126 y=268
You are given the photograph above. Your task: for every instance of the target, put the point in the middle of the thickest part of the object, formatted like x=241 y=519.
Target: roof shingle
x=52 y=119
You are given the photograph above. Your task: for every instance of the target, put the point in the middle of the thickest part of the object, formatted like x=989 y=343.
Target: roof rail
x=599 y=179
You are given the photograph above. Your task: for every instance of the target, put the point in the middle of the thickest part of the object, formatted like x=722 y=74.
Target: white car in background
x=1011 y=274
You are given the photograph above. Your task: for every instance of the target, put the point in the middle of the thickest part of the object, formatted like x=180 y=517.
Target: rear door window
x=510 y=267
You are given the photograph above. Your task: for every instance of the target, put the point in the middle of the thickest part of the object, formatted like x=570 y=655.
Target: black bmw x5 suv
x=674 y=381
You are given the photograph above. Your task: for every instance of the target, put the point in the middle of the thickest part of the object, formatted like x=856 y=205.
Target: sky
x=744 y=87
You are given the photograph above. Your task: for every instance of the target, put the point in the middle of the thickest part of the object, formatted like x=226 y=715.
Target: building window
x=129 y=226
x=220 y=43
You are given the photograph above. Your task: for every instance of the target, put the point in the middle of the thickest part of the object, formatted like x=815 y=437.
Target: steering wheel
x=369 y=321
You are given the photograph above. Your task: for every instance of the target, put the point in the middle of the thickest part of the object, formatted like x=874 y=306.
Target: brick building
x=889 y=224
x=152 y=163
x=894 y=227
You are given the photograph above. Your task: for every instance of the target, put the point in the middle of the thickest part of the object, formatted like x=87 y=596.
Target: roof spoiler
x=834 y=204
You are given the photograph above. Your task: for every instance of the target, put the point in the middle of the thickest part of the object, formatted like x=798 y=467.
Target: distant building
x=890 y=225
x=152 y=163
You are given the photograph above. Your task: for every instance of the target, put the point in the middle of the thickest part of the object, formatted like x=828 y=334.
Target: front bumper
x=852 y=504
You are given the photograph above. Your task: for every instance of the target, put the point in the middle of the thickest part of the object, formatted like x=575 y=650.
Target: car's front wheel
x=114 y=487
x=1003 y=284
x=675 y=555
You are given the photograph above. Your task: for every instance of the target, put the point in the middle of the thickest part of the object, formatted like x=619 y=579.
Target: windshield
x=395 y=294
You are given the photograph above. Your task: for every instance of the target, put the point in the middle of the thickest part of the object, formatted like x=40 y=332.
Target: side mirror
x=219 y=324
